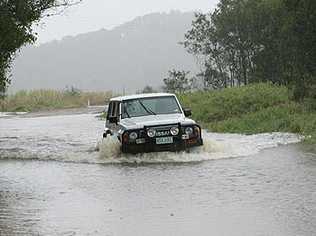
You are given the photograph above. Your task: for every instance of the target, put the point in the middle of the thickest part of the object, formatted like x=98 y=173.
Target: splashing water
x=76 y=138
x=216 y=146
x=109 y=148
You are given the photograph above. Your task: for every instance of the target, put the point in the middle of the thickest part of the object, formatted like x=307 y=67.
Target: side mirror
x=187 y=112
x=113 y=119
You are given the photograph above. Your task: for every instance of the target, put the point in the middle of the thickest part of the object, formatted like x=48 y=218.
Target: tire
x=124 y=149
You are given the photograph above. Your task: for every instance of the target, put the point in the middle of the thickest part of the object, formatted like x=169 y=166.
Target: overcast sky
x=93 y=15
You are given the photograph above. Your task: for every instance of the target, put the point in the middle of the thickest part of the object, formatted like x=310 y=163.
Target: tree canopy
x=246 y=41
x=16 y=20
x=177 y=82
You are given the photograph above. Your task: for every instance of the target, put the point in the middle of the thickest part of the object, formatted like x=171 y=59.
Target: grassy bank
x=38 y=100
x=252 y=109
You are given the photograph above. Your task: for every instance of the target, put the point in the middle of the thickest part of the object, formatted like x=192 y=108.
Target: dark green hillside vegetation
x=252 y=109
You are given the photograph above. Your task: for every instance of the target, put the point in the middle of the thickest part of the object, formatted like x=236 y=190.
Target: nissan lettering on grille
x=162 y=133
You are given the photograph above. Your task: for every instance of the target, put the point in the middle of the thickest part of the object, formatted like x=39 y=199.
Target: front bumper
x=150 y=145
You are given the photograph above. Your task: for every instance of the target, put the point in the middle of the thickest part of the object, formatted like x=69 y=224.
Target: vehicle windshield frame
x=141 y=99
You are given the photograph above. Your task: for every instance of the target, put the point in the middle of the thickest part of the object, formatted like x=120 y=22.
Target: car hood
x=152 y=120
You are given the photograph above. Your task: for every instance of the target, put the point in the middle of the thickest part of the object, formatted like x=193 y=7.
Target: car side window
x=113 y=111
x=110 y=109
x=116 y=109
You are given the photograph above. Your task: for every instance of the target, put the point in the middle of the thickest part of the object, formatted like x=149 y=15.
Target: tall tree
x=246 y=41
x=16 y=20
x=299 y=24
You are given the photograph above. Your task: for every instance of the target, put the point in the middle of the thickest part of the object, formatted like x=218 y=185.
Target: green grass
x=37 y=100
x=252 y=109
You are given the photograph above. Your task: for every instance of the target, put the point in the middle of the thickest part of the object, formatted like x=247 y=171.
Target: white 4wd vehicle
x=151 y=122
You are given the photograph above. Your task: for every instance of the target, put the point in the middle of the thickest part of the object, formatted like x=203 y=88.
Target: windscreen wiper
x=148 y=110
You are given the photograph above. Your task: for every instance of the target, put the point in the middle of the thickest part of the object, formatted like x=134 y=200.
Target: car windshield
x=150 y=106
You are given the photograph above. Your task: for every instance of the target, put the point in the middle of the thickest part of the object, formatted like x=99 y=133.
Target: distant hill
x=130 y=56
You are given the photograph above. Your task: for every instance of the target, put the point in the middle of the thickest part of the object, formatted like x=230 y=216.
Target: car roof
x=144 y=95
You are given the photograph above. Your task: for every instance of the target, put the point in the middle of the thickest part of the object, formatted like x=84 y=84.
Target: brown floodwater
x=57 y=177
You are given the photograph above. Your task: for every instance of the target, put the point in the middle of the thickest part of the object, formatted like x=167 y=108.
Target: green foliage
x=275 y=118
x=251 y=109
x=289 y=118
x=257 y=41
x=102 y=116
x=16 y=20
x=177 y=82
x=210 y=106
x=50 y=99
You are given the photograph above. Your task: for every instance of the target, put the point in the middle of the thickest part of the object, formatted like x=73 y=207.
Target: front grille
x=161 y=133
x=142 y=134
x=163 y=130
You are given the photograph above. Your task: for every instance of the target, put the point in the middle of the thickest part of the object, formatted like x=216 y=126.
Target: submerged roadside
x=55 y=112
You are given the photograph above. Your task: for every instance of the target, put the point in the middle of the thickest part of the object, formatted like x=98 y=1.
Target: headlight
x=189 y=130
x=133 y=136
x=151 y=133
x=174 y=131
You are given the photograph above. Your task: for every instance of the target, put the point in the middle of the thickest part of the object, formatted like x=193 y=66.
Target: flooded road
x=57 y=177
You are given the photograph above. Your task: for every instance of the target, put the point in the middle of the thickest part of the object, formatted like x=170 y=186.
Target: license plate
x=164 y=140
x=140 y=141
